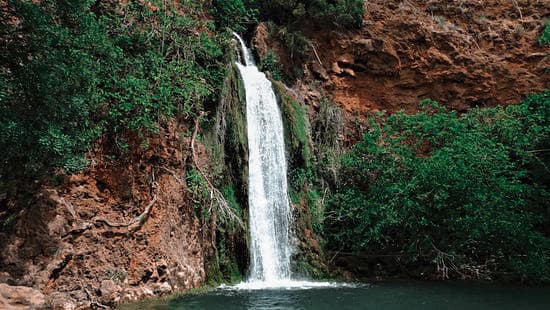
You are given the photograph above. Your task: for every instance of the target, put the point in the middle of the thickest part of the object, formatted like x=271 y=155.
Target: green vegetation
x=270 y=63
x=296 y=125
x=294 y=40
x=74 y=71
x=79 y=74
x=467 y=193
x=233 y=14
x=228 y=170
x=544 y=38
x=297 y=140
x=290 y=22
x=328 y=130
x=303 y=188
x=200 y=193
x=464 y=192
x=343 y=13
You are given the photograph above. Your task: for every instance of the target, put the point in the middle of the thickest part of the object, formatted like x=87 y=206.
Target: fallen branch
x=94 y=304
x=173 y=173
x=138 y=221
x=441 y=261
x=133 y=224
x=316 y=55
x=224 y=210
x=518 y=8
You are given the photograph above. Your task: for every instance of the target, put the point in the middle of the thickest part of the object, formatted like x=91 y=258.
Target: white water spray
x=269 y=208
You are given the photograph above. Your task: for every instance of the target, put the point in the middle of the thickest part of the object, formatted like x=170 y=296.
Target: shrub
x=233 y=14
x=343 y=13
x=296 y=42
x=73 y=71
x=51 y=71
x=347 y=13
x=544 y=38
x=270 y=63
x=439 y=185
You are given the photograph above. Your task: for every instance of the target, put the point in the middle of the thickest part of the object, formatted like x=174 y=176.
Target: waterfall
x=269 y=208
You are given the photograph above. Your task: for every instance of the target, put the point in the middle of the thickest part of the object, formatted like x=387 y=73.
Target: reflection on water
x=387 y=296
x=272 y=300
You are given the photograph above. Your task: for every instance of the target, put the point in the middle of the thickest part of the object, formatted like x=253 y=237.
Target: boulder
x=20 y=297
x=162 y=288
x=61 y=301
x=110 y=291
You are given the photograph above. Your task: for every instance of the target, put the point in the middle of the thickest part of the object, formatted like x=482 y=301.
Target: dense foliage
x=344 y=13
x=73 y=71
x=544 y=38
x=467 y=192
x=234 y=14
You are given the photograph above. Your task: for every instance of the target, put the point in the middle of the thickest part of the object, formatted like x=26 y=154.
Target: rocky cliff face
x=131 y=226
x=128 y=229
x=461 y=53
x=120 y=231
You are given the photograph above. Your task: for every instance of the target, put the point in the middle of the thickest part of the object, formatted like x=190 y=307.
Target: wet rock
x=161 y=288
x=137 y=293
x=348 y=72
x=261 y=39
x=61 y=301
x=334 y=67
x=110 y=291
x=20 y=297
x=320 y=71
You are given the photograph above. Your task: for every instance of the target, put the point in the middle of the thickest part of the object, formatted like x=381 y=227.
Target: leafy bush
x=544 y=38
x=51 y=70
x=291 y=20
x=347 y=13
x=233 y=14
x=296 y=42
x=344 y=13
x=199 y=192
x=73 y=71
x=270 y=63
x=458 y=190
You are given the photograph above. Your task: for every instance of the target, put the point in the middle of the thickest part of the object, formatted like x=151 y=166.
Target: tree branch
x=223 y=208
x=134 y=224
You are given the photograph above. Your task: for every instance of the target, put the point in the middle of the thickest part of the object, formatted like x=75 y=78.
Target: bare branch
x=224 y=210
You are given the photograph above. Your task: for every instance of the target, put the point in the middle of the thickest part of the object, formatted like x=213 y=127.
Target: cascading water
x=269 y=208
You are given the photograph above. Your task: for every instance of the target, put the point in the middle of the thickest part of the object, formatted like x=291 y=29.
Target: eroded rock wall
x=461 y=53
x=66 y=241
x=133 y=225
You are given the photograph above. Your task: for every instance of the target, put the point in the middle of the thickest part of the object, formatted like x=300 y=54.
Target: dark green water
x=409 y=296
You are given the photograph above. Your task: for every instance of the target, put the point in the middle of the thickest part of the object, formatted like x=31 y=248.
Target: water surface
x=400 y=295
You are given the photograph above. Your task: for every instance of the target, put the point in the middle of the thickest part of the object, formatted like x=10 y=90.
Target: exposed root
x=174 y=174
x=316 y=55
x=134 y=224
x=444 y=263
x=518 y=8
x=69 y=207
x=94 y=304
x=225 y=213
